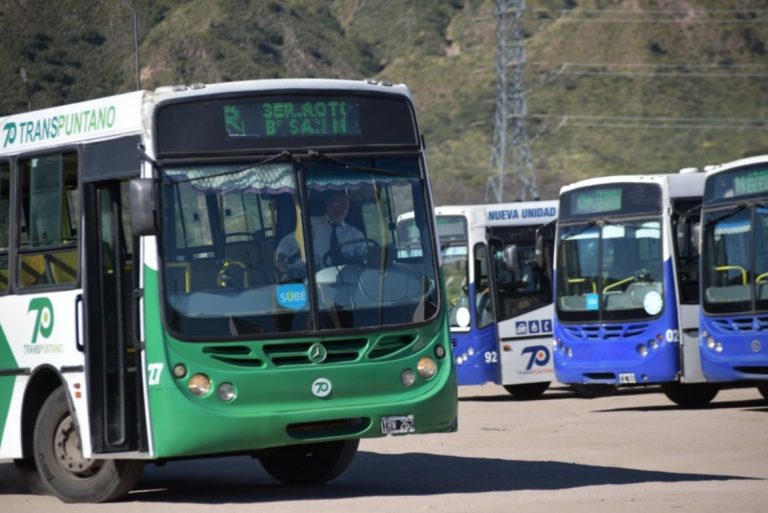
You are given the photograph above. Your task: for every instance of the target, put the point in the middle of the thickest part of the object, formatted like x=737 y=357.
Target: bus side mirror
x=510 y=260
x=142 y=203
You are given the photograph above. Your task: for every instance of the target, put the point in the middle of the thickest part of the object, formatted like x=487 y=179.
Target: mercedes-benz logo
x=317 y=353
x=756 y=346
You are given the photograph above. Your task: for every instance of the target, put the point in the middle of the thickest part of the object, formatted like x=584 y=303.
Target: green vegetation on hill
x=613 y=86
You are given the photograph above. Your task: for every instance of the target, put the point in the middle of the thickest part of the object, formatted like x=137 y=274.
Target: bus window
x=48 y=225
x=5 y=204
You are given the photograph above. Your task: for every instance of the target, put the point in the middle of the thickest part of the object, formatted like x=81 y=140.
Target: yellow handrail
x=187 y=274
x=583 y=280
x=761 y=277
x=616 y=284
x=726 y=268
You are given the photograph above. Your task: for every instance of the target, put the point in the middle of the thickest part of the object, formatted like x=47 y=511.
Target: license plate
x=627 y=378
x=398 y=424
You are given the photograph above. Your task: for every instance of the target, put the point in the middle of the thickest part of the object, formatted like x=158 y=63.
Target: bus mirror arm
x=143 y=207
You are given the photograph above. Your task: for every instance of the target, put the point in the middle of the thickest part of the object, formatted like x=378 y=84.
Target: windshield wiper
x=356 y=167
x=728 y=214
x=583 y=229
x=282 y=155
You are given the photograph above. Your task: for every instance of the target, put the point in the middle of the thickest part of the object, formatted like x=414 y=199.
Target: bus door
x=686 y=229
x=484 y=332
x=115 y=392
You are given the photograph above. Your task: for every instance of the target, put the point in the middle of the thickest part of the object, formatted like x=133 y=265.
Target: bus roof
x=749 y=161
x=283 y=84
x=679 y=185
x=521 y=213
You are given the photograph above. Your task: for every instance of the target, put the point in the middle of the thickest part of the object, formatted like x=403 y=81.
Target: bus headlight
x=711 y=342
x=426 y=367
x=179 y=370
x=226 y=391
x=199 y=384
x=407 y=378
x=642 y=350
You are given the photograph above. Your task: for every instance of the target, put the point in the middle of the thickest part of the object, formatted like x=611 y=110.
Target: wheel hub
x=69 y=452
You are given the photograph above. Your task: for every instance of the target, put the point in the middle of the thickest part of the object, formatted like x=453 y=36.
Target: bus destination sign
x=287 y=118
x=752 y=182
x=596 y=201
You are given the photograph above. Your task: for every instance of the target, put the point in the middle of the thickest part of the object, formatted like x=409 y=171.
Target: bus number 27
x=154 y=370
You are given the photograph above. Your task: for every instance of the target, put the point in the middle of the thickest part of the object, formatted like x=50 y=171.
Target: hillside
x=622 y=86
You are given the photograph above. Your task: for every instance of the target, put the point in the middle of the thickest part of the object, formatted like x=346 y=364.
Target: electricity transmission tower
x=511 y=148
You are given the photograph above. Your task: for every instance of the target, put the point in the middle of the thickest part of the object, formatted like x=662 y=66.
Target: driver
x=331 y=237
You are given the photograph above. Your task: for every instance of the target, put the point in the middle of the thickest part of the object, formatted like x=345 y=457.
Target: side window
x=5 y=210
x=48 y=221
x=483 y=299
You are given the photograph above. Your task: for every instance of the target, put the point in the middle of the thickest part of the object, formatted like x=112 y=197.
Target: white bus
x=165 y=330
x=499 y=297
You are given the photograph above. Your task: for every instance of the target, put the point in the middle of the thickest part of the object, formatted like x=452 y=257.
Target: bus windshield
x=249 y=250
x=610 y=271
x=735 y=257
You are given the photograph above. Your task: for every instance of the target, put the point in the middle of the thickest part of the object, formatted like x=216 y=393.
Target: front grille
x=297 y=353
x=742 y=324
x=235 y=355
x=388 y=345
x=606 y=331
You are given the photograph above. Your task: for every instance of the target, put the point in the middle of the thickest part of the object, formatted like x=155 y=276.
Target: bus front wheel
x=309 y=463
x=690 y=395
x=762 y=387
x=527 y=391
x=64 y=471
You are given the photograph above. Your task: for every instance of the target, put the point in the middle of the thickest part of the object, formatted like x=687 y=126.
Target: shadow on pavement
x=560 y=392
x=747 y=405
x=242 y=480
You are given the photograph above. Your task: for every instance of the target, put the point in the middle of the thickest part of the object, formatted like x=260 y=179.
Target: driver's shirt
x=322 y=230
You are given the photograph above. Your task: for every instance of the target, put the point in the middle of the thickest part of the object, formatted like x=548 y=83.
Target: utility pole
x=135 y=41
x=23 y=73
x=511 y=147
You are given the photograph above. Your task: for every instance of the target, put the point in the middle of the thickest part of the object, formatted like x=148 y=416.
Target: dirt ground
x=631 y=452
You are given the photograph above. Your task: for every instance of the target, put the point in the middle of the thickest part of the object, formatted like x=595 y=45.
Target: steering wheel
x=369 y=244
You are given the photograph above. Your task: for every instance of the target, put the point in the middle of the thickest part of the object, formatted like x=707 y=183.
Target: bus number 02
x=491 y=357
x=154 y=370
x=673 y=336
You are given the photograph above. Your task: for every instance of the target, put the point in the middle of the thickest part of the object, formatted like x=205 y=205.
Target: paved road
x=631 y=452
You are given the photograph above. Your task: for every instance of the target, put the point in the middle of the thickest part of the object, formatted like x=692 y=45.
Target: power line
x=657 y=70
x=657 y=122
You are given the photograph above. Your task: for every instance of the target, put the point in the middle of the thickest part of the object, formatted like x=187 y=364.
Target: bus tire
x=309 y=463
x=527 y=391
x=59 y=459
x=762 y=387
x=594 y=390
x=690 y=395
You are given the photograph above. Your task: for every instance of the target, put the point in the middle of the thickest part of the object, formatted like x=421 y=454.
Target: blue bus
x=499 y=298
x=734 y=272
x=626 y=285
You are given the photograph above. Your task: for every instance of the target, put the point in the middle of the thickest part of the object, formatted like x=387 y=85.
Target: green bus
x=148 y=313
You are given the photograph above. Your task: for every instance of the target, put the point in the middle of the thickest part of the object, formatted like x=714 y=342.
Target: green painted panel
x=271 y=396
x=7 y=361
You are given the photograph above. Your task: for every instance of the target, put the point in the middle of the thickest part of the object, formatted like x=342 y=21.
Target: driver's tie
x=335 y=251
